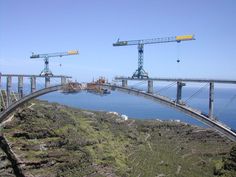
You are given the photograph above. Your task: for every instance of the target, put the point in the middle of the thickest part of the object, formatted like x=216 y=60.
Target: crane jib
x=155 y=40
x=46 y=71
x=59 y=54
x=140 y=73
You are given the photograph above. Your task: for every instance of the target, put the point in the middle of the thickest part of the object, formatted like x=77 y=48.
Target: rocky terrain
x=52 y=140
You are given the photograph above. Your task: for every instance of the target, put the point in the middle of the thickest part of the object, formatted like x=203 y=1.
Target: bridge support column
x=33 y=84
x=150 y=86
x=47 y=82
x=63 y=80
x=20 y=86
x=9 y=84
x=179 y=91
x=211 y=100
x=124 y=83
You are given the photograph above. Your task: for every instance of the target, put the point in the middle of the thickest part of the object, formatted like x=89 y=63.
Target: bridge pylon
x=124 y=83
x=63 y=80
x=179 y=91
x=47 y=81
x=150 y=86
x=33 y=84
x=20 y=86
x=9 y=85
x=211 y=100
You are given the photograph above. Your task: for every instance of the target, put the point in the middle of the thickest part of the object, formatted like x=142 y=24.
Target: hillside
x=55 y=140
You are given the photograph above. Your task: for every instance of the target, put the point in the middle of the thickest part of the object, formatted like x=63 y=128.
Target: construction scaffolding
x=96 y=86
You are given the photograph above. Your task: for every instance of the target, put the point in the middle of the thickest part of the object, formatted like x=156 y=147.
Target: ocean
x=141 y=108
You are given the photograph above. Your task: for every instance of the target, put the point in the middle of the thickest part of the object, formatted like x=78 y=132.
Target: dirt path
x=178 y=169
x=149 y=145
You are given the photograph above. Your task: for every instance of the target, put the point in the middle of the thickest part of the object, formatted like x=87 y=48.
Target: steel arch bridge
x=215 y=124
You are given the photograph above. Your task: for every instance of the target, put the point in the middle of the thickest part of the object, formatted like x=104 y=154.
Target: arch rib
x=157 y=98
x=29 y=97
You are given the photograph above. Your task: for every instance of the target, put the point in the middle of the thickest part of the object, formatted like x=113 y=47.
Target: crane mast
x=140 y=73
x=46 y=71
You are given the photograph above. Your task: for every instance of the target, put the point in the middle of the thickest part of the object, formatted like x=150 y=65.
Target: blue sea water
x=141 y=108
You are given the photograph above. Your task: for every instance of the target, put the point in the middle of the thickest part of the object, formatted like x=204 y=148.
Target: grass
x=81 y=143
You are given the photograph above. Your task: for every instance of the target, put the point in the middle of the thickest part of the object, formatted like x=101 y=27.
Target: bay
x=141 y=108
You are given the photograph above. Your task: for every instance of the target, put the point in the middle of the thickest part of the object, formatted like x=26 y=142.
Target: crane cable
x=55 y=81
x=196 y=93
x=178 y=52
x=226 y=105
x=41 y=84
x=165 y=87
x=137 y=84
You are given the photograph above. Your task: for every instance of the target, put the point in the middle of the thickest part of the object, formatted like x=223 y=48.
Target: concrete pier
x=9 y=90
x=63 y=80
x=33 y=84
x=211 y=100
x=124 y=83
x=150 y=86
x=179 y=91
x=47 y=81
x=9 y=85
x=20 y=86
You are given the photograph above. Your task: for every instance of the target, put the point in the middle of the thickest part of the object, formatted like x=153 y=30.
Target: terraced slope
x=55 y=140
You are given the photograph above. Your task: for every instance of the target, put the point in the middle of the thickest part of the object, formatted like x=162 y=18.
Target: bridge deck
x=32 y=75
x=223 y=81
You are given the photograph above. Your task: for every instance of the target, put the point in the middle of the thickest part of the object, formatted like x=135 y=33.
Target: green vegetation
x=227 y=166
x=55 y=140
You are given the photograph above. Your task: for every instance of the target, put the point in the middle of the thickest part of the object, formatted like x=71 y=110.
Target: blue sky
x=92 y=26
